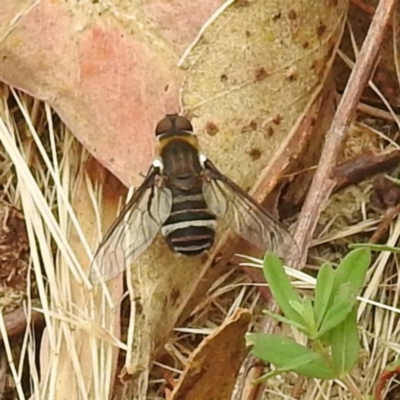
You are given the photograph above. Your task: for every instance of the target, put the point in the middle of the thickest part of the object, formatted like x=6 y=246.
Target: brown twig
x=364 y=7
x=384 y=226
x=376 y=112
x=364 y=166
x=323 y=182
x=249 y=390
x=16 y=322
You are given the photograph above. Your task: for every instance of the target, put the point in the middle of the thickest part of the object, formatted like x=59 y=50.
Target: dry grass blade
x=78 y=349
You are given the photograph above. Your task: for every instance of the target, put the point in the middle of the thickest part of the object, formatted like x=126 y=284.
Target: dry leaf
x=249 y=80
x=213 y=367
x=240 y=100
x=107 y=67
x=252 y=75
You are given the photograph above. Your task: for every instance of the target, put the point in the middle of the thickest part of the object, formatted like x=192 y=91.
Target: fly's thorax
x=181 y=164
x=169 y=139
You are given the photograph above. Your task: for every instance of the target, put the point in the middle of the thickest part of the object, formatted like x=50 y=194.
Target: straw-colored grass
x=44 y=173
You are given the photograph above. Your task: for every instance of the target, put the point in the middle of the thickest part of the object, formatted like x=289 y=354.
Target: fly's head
x=173 y=125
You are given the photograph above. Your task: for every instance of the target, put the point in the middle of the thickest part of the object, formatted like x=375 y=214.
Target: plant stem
x=353 y=389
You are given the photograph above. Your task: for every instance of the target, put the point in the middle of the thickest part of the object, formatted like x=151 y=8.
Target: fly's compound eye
x=183 y=124
x=173 y=124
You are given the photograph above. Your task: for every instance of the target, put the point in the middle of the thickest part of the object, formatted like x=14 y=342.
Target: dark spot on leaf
x=276 y=119
x=319 y=66
x=314 y=65
x=211 y=128
x=292 y=15
x=241 y=3
x=260 y=74
x=292 y=76
x=253 y=125
x=321 y=30
x=175 y=294
x=224 y=78
x=270 y=131
x=248 y=34
x=255 y=154
x=276 y=16
x=305 y=45
x=111 y=160
x=166 y=88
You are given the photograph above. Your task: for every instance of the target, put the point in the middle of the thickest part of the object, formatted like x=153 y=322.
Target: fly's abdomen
x=190 y=228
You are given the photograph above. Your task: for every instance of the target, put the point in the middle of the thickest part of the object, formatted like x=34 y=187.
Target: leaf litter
x=381 y=287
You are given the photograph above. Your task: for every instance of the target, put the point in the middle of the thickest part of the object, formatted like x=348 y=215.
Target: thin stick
x=17 y=321
x=323 y=182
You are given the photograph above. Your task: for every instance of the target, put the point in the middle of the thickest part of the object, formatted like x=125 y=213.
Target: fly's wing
x=244 y=215
x=133 y=231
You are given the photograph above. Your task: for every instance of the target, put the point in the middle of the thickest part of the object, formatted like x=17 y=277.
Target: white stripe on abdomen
x=208 y=223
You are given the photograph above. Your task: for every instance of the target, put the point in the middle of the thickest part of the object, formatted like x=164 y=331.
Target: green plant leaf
x=297 y=363
x=341 y=307
x=323 y=292
x=297 y=306
x=353 y=269
x=287 y=355
x=345 y=343
x=285 y=320
x=345 y=293
x=376 y=247
x=308 y=316
x=306 y=312
x=281 y=287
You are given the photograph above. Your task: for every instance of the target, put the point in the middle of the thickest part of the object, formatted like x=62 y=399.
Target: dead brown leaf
x=257 y=84
x=248 y=102
x=107 y=68
x=213 y=367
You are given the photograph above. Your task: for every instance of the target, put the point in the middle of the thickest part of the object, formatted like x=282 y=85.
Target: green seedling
x=328 y=319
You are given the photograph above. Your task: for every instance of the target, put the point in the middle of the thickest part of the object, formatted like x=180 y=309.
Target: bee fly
x=184 y=195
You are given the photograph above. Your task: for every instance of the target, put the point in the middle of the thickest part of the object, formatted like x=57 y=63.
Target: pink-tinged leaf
x=109 y=70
